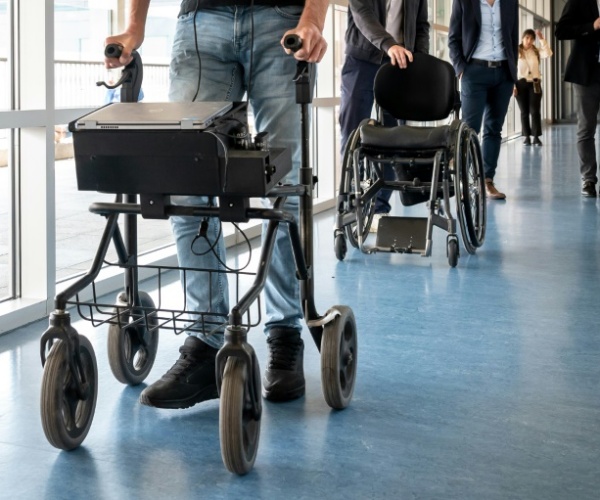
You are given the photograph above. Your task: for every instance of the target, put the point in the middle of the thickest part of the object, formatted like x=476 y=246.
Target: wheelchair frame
x=456 y=170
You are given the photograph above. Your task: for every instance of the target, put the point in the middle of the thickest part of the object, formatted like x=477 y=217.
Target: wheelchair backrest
x=427 y=90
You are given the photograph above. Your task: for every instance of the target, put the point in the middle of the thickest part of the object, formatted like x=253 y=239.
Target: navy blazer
x=465 y=28
x=577 y=23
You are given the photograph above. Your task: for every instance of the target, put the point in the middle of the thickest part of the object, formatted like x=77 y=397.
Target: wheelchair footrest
x=402 y=234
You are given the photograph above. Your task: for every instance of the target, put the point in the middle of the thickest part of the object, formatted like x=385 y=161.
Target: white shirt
x=528 y=67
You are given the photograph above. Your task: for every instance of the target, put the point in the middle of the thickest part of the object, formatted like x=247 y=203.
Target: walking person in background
x=528 y=89
x=483 y=40
x=379 y=31
x=580 y=21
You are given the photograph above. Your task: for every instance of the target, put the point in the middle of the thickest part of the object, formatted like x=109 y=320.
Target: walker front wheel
x=239 y=426
x=66 y=413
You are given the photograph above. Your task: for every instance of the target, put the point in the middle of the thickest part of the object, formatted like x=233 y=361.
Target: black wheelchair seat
x=404 y=137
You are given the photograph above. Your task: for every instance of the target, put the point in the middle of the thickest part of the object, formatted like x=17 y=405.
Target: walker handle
x=293 y=42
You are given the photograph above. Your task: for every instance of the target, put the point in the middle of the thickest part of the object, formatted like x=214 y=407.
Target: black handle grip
x=113 y=50
x=293 y=43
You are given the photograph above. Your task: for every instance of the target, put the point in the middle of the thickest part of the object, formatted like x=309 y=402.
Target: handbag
x=537 y=86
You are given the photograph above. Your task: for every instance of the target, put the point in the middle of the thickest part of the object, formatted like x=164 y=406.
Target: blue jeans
x=485 y=94
x=225 y=46
x=357 y=100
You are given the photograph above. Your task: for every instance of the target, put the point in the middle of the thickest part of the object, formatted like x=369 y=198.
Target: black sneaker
x=527 y=141
x=190 y=380
x=284 y=376
x=537 y=142
x=588 y=189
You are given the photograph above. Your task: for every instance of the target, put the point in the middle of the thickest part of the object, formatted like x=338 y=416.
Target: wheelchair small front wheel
x=452 y=251
x=339 y=356
x=66 y=414
x=340 y=246
x=133 y=340
x=239 y=427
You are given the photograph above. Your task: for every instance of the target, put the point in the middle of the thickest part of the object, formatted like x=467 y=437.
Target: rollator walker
x=431 y=162
x=153 y=165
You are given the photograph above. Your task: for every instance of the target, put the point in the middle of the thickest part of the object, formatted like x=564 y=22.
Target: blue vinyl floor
x=479 y=382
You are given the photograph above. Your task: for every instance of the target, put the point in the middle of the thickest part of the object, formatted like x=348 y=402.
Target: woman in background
x=528 y=89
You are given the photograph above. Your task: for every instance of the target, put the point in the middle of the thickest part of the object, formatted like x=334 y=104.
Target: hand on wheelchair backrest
x=424 y=91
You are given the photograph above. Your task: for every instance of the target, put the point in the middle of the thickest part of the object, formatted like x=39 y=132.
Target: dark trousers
x=587 y=102
x=485 y=94
x=530 y=105
x=357 y=101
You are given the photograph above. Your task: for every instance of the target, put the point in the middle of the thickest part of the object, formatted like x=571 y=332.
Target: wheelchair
x=431 y=163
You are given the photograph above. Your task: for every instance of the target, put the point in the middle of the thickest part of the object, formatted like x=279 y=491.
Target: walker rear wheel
x=339 y=351
x=133 y=341
x=66 y=415
x=239 y=427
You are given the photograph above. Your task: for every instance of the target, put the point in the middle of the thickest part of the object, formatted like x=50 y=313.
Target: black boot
x=284 y=376
x=190 y=380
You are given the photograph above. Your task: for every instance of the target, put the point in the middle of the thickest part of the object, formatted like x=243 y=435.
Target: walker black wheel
x=452 y=251
x=340 y=246
x=67 y=415
x=470 y=188
x=339 y=356
x=133 y=341
x=239 y=426
x=356 y=179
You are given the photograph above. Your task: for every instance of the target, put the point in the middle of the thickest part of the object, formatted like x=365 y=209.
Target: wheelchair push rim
x=470 y=189
x=356 y=178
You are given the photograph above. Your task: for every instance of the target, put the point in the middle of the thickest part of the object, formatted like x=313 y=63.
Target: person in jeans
x=379 y=31
x=483 y=39
x=580 y=21
x=221 y=50
x=528 y=89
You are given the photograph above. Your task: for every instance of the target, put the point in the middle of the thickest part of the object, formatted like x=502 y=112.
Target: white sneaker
x=375 y=222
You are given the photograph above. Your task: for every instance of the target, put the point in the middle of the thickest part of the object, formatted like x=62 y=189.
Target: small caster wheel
x=239 y=426
x=452 y=251
x=339 y=356
x=340 y=246
x=133 y=340
x=67 y=415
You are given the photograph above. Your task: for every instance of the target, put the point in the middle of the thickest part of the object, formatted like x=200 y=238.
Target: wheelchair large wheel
x=339 y=356
x=66 y=415
x=132 y=345
x=349 y=182
x=239 y=427
x=470 y=189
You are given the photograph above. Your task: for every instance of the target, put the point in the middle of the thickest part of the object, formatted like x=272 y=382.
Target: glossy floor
x=479 y=382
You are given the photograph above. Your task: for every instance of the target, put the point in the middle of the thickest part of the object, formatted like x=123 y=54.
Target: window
x=81 y=27
x=5 y=218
